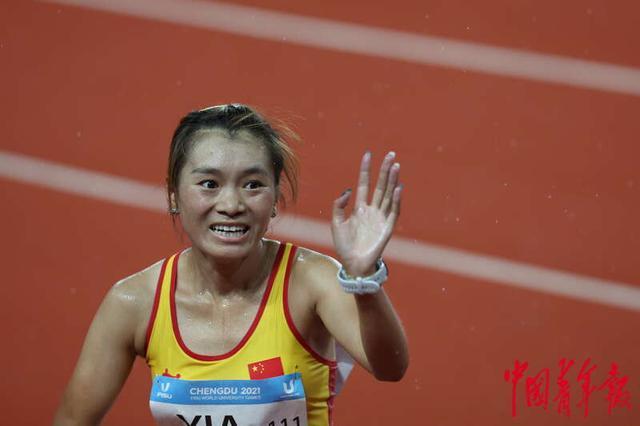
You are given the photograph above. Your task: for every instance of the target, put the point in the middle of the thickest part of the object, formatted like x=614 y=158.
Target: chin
x=230 y=248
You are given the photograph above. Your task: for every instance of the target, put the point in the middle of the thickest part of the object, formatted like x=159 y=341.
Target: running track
x=519 y=235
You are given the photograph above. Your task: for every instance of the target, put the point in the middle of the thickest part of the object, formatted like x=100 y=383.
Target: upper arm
x=337 y=310
x=106 y=358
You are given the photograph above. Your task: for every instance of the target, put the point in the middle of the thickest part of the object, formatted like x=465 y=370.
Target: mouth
x=229 y=231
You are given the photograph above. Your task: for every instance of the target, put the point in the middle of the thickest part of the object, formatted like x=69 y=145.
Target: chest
x=215 y=327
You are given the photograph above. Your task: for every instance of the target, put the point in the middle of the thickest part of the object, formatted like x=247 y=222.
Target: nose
x=229 y=202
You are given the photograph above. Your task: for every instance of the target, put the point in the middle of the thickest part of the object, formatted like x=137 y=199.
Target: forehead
x=217 y=148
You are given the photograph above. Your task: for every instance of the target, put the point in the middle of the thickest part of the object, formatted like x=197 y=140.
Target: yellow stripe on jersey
x=272 y=335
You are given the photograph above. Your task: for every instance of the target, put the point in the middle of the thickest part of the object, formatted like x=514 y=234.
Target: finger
x=392 y=183
x=363 y=179
x=383 y=177
x=339 y=205
x=395 y=205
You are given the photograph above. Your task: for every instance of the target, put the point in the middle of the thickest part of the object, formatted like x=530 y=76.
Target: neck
x=226 y=276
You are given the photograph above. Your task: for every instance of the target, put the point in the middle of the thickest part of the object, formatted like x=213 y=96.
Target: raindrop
x=78 y=134
x=440 y=148
x=549 y=196
x=457 y=219
x=73 y=290
x=497 y=221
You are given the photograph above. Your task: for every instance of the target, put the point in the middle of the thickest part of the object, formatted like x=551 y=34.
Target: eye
x=253 y=184
x=208 y=184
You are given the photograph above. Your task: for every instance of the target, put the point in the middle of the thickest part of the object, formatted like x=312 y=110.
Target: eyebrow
x=255 y=170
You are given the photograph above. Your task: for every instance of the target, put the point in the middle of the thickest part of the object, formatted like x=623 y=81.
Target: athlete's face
x=226 y=193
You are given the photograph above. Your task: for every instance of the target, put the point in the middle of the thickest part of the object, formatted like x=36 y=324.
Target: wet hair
x=235 y=118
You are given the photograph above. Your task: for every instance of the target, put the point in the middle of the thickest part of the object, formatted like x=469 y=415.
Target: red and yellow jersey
x=271 y=348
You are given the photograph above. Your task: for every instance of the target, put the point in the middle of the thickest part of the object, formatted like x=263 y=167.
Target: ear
x=278 y=194
x=173 y=204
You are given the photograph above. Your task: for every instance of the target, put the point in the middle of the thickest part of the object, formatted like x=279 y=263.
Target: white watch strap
x=364 y=285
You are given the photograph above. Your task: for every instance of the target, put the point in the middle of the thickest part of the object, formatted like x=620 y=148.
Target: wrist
x=363 y=284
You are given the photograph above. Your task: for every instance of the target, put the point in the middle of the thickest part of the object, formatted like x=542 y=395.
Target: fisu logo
x=164 y=387
x=290 y=388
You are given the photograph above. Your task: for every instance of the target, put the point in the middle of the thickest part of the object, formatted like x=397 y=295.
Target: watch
x=364 y=285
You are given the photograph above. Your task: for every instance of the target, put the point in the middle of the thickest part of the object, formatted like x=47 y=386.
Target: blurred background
x=516 y=123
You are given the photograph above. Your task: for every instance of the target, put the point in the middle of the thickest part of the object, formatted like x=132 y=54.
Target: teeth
x=230 y=231
x=223 y=228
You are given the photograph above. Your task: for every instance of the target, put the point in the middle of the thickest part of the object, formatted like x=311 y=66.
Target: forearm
x=66 y=417
x=383 y=338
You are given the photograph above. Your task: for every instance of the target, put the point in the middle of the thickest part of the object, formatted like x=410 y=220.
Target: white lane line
x=81 y=182
x=131 y=193
x=373 y=41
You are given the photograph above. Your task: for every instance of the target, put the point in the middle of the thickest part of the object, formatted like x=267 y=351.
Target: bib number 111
x=295 y=422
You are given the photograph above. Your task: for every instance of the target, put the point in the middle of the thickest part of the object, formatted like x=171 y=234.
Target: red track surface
x=527 y=171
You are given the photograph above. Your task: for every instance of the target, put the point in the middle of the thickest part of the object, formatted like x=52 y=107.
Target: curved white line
x=131 y=193
x=380 y=42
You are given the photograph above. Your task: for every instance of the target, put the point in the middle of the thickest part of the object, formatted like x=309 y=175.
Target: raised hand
x=361 y=238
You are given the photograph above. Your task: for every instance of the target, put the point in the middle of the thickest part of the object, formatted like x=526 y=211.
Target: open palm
x=361 y=238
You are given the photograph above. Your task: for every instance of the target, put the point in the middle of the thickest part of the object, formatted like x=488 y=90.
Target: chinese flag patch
x=265 y=369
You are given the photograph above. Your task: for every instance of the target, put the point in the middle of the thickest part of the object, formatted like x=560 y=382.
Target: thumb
x=339 y=205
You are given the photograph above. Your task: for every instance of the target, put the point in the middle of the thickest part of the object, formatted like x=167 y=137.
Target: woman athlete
x=239 y=329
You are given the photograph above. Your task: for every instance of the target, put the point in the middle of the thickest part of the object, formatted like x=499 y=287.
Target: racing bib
x=277 y=401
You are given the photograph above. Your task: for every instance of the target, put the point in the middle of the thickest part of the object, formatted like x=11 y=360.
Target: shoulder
x=129 y=303
x=314 y=270
x=131 y=299
x=311 y=261
x=137 y=288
